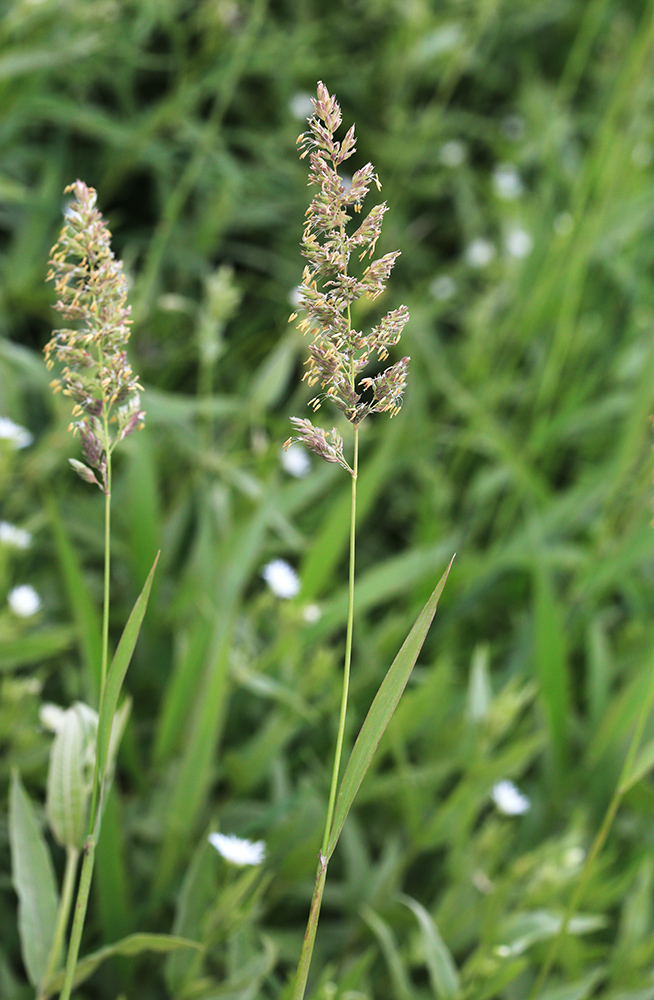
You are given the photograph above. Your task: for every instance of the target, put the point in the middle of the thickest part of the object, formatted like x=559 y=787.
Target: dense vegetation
x=515 y=144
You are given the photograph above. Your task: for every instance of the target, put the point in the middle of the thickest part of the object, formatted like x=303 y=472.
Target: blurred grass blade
x=552 y=665
x=132 y=945
x=30 y=649
x=84 y=610
x=442 y=970
x=402 y=988
x=34 y=881
x=118 y=668
x=642 y=765
x=381 y=711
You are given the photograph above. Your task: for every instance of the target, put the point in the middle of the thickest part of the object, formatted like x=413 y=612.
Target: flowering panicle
x=91 y=294
x=338 y=354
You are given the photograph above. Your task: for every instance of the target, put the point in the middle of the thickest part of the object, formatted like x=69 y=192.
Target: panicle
x=91 y=291
x=338 y=353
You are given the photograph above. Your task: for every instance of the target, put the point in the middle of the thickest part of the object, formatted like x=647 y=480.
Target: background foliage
x=514 y=140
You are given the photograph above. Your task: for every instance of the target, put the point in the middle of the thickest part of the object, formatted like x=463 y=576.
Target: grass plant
x=514 y=142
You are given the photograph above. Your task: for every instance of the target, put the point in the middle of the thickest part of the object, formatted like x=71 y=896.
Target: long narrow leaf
x=34 y=881
x=132 y=945
x=119 y=665
x=381 y=711
x=442 y=970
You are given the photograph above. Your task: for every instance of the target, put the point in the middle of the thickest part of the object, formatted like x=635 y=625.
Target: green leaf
x=118 y=668
x=132 y=945
x=442 y=970
x=35 y=648
x=69 y=775
x=380 y=713
x=34 y=881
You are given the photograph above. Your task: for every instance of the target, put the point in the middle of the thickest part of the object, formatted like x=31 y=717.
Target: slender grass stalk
x=337 y=355
x=92 y=291
x=63 y=914
x=624 y=784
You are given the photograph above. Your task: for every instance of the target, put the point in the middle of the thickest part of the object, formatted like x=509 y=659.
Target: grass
x=524 y=445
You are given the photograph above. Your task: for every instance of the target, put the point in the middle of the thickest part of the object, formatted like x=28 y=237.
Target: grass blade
x=442 y=970
x=381 y=711
x=118 y=668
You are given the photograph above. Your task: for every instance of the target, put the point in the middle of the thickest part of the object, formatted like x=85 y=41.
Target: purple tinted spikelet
x=338 y=354
x=92 y=296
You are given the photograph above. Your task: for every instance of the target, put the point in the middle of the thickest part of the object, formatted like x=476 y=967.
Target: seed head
x=92 y=295
x=338 y=354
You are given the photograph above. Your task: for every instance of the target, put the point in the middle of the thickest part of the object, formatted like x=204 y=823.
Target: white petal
x=11 y=535
x=480 y=253
x=24 y=601
x=295 y=460
x=509 y=799
x=19 y=436
x=238 y=851
x=281 y=578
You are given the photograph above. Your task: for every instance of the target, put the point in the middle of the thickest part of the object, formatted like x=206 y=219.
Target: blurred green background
x=515 y=143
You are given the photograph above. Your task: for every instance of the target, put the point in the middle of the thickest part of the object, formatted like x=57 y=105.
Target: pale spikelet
x=92 y=294
x=338 y=354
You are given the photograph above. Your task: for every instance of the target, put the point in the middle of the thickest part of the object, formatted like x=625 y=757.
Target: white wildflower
x=452 y=153
x=294 y=297
x=238 y=851
x=24 y=601
x=443 y=287
x=509 y=799
x=480 y=252
x=507 y=182
x=17 y=435
x=281 y=578
x=295 y=460
x=312 y=613
x=301 y=106
x=51 y=716
x=519 y=243
x=13 y=536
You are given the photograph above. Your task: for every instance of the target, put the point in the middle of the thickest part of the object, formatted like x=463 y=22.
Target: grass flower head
x=92 y=296
x=338 y=354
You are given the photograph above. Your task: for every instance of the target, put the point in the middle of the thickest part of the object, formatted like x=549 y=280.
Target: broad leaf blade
x=118 y=668
x=381 y=711
x=34 y=881
x=132 y=945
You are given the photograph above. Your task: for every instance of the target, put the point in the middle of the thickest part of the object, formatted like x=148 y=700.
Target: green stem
x=302 y=974
x=63 y=913
x=598 y=843
x=84 y=887
x=79 y=917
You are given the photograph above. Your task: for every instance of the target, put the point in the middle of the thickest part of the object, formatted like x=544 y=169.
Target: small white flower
x=507 y=182
x=300 y=106
x=24 y=601
x=19 y=436
x=296 y=461
x=519 y=243
x=480 y=252
x=281 y=578
x=51 y=716
x=312 y=613
x=443 y=287
x=509 y=799
x=294 y=297
x=238 y=851
x=452 y=153
x=16 y=537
